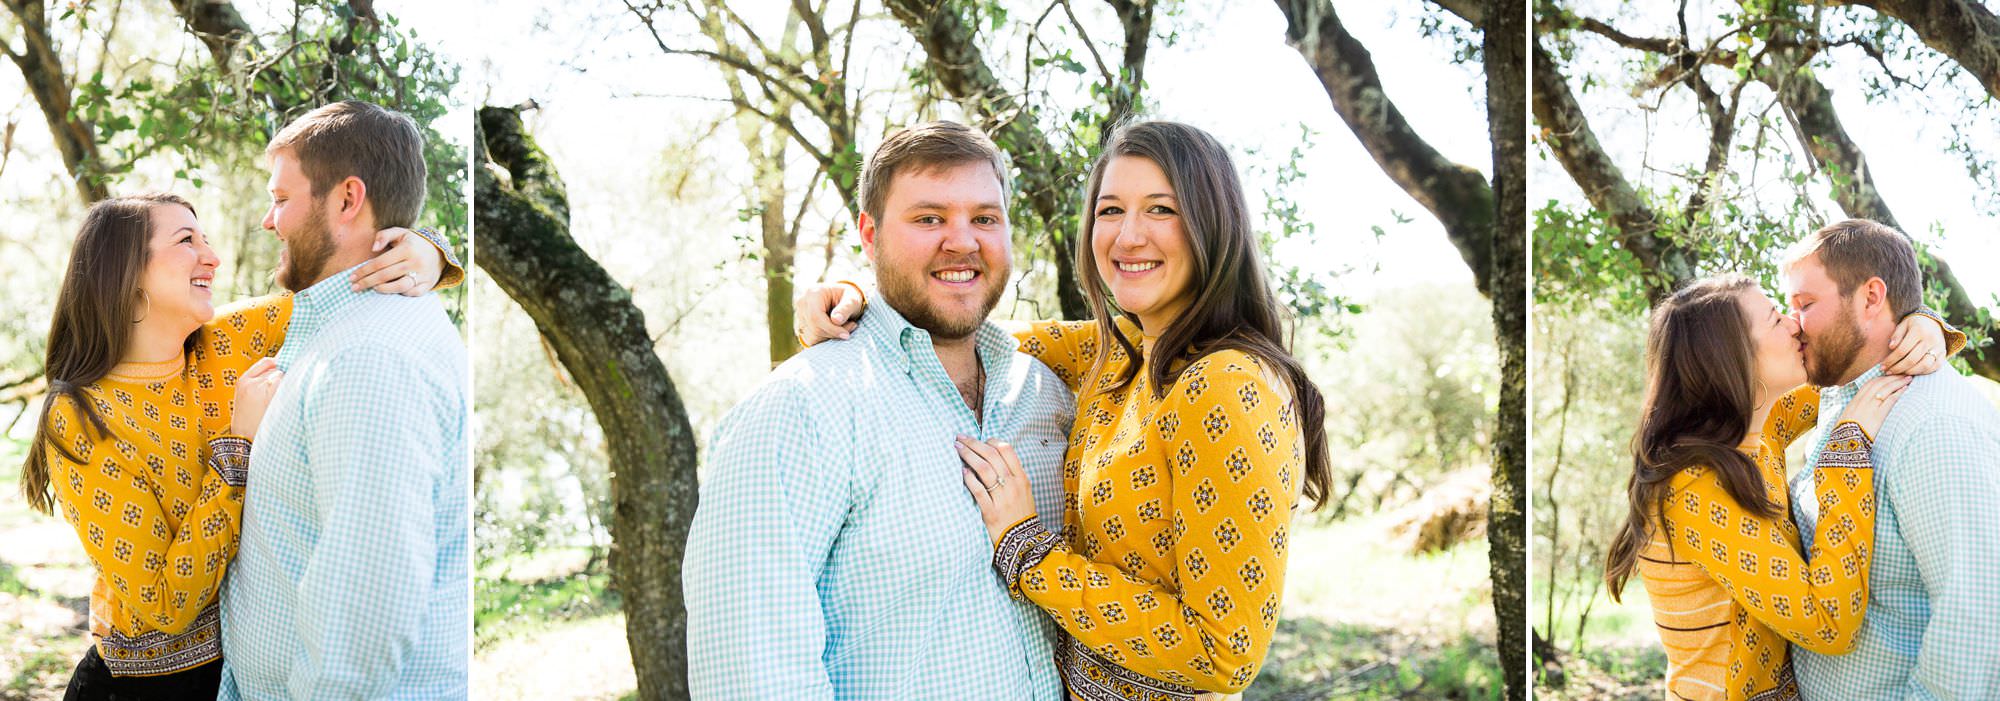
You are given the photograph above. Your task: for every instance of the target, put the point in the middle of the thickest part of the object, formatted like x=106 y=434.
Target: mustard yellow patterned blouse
x=1167 y=578
x=158 y=520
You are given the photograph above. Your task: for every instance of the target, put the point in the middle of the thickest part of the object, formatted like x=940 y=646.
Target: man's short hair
x=926 y=147
x=380 y=146
x=1855 y=250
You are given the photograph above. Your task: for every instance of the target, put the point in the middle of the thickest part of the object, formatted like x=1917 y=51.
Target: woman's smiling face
x=179 y=269
x=1140 y=242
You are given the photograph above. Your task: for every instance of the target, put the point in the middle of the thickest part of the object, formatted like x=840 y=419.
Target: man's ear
x=351 y=197
x=868 y=233
x=1874 y=296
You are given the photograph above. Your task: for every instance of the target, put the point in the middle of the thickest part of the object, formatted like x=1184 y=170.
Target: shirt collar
x=1847 y=391
x=315 y=306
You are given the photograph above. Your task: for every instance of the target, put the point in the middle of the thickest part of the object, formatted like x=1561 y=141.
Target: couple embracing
x=1872 y=573
x=273 y=493
x=926 y=505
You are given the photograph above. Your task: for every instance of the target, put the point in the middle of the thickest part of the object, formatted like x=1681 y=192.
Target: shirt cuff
x=1021 y=547
x=453 y=270
x=1847 y=446
x=229 y=456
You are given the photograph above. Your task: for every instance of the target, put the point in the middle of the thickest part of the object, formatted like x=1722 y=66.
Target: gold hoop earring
x=147 y=307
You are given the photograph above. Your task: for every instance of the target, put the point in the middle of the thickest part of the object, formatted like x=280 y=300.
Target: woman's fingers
x=981 y=466
x=263 y=365
x=389 y=237
x=390 y=277
x=848 y=308
x=1010 y=462
x=811 y=312
x=978 y=490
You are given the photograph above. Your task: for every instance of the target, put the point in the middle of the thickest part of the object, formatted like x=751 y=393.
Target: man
x=1932 y=629
x=352 y=579
x=836 y=554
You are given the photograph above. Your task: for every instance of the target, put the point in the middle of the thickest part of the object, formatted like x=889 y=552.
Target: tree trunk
x=601 y=339
x=1050 y=186
x=779 y=249
x=42 y=69
x=1505 y=41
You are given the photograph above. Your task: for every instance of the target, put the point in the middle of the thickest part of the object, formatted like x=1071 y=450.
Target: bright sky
x=1924 y=184
x=1229 y=72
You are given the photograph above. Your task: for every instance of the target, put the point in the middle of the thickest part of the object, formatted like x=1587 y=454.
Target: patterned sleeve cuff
x=1954 y=339
x=454 y=271
x=1021 y=547
x=1847 y=446
x=229 y=456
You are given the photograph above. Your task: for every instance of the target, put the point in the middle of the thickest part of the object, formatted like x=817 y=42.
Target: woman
x=138 y=443
x=1196 y=433
x=1710 y=530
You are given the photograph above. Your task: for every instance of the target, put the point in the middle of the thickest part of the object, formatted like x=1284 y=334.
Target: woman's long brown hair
x=93 y=320
x=1233 y=307
x=1700 y=394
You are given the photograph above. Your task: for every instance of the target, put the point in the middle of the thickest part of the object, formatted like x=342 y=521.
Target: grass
x=1412 y=626
x=1619 y=656
x=41 y=627
x=503 y=608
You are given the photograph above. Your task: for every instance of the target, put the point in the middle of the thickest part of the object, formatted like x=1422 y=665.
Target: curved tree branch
x=1964 y=30
x=1569 y=137
x=1458 y=195
x=42 y=69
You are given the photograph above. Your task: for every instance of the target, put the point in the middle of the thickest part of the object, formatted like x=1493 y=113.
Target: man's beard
x=1829 y=357
x=905 y=294
x=306 y=251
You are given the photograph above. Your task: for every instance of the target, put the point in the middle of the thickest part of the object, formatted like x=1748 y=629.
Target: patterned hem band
x=1847 y=446
x=155 y=653
x=1787 y=689
x=229 y=456
x=1093 y=678
x=1021 y=547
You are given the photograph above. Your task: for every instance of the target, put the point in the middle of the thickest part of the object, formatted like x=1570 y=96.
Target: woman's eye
x=1110 y=211
x=1161 y=209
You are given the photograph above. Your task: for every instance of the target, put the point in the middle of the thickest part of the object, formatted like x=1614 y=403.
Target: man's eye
x=986 y=221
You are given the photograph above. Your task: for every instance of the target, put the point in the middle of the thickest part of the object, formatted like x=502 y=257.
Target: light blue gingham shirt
x=836 y=553
x=352 y=580
x=1933 y=625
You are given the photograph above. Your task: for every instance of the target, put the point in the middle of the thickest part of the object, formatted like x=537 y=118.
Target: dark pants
x=93 y=682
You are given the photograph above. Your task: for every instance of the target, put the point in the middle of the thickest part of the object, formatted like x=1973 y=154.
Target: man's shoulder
x=1939 y=401
x=413 y=326
x=1940 y=416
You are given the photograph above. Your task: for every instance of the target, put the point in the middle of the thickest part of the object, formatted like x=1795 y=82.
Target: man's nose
x=958 y=237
